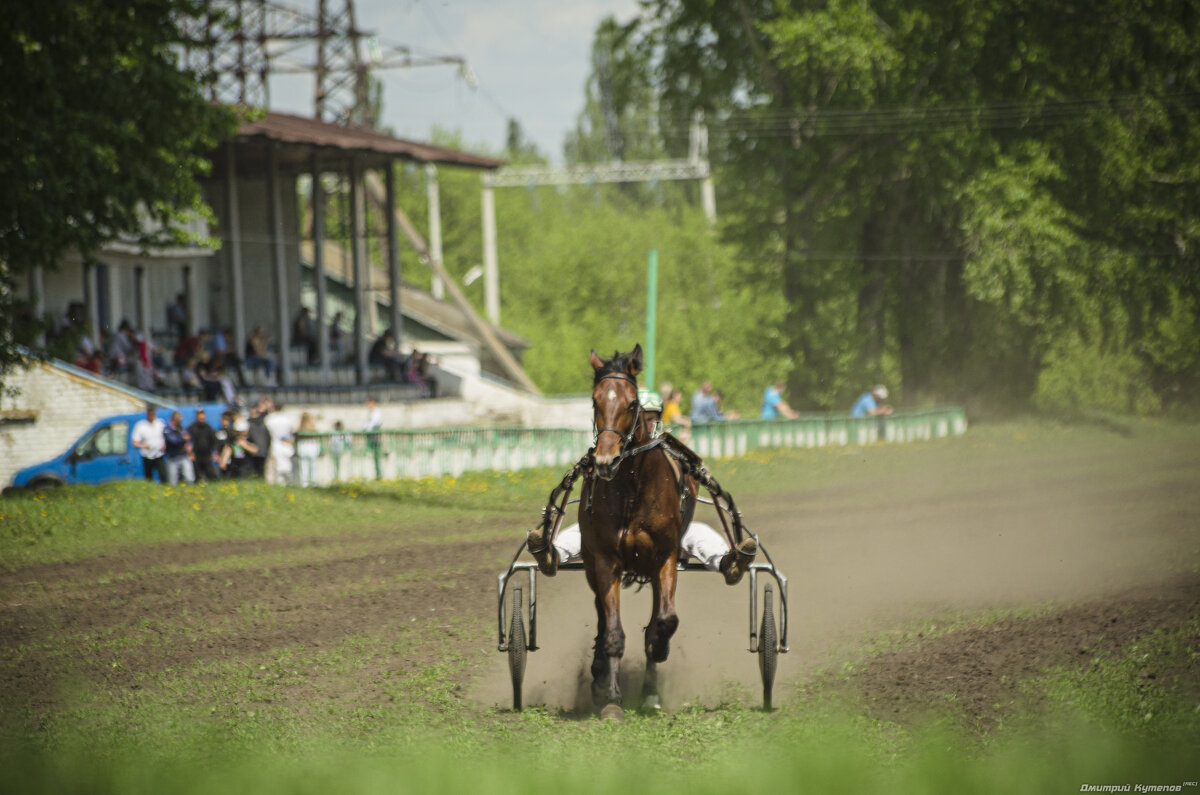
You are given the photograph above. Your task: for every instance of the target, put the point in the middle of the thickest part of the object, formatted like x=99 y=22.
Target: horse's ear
x=635 y=359
x=595 y=360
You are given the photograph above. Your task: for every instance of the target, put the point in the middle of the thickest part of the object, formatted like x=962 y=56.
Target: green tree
x=954 y=196
x=103 y=130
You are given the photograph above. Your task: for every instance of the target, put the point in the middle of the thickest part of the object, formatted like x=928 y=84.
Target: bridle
x=627 y=448
x=627 y=438
x=636 y=405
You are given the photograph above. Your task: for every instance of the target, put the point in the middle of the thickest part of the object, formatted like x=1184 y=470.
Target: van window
x=109 y=440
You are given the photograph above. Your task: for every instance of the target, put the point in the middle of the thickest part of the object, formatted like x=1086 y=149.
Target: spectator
x=224 y=431
x=702 y=403
x=210 y=383
x=416 y=371
x=304 y=332
x=374 y=438
x=177 y=317
x=283 y=446
x=189 y=346
x=383 y=354
x=706 y=406
x=308 y=449
x=425 y=376
x=120 y=347
x=773 y=404
x=92 y=362
x=870 y=404
x=672 y=413
x=222 y=346
x=339 y=443
x=147 y=437
x=204 y=446
x=258 y=437
x=258 y=352
x=719 y=398
x=176 y=451
x=337 y=339
x=144 y=367
x=237 y=457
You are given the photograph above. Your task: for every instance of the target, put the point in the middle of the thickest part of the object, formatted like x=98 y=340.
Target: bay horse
x=631 y=520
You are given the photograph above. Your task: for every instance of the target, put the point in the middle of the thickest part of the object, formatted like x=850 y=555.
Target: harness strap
x=681 y=464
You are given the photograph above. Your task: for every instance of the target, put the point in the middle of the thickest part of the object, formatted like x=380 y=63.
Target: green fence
x=725 y=439
x=418 y=454
x=423 y=453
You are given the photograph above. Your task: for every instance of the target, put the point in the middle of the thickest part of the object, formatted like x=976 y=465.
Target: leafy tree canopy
x=104 y=135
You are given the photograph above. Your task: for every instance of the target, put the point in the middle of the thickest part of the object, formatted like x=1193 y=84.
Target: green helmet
x=650 y=401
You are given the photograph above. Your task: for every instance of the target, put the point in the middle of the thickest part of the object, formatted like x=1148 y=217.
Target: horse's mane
x=619 y=363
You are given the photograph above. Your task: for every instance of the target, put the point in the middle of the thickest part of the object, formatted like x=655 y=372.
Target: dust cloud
x=956 y=537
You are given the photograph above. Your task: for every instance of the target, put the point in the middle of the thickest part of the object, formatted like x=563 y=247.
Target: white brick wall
x=66 y=406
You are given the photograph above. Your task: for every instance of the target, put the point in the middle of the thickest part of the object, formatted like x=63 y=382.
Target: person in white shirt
x=282 y=443
x=374 y=440
x=308 y=449
x=148 y=439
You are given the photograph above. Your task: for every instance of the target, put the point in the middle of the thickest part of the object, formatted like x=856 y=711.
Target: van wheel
x=43 y=483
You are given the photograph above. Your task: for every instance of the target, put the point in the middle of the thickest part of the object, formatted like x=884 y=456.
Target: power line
x=897 y=119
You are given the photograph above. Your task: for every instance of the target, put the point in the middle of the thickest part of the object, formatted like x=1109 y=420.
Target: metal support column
x=708 y=199
x=91 y=302
x=318 y=239
x=234 y=224
x=393 y=258
x=143 y=304
x=491 y=268
x=358 y=255
x=433 y=199
x=189 y=300
x=283 y=328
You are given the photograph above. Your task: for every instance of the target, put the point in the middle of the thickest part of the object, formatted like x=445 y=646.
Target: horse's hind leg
x=663 y=623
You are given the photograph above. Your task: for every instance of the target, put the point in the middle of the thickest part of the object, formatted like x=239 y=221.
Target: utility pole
x=240 y=44
x=695 y=167
x=651 y=315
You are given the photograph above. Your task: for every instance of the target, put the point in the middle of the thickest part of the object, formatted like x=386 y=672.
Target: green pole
x=651 y=315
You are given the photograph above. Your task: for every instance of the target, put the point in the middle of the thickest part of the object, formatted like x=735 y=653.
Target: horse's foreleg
x=610 y=640
x=663 y=618
x=614 y=638
x=599 y=656
x=663 y=623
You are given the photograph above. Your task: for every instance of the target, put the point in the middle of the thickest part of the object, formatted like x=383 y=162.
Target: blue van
x=105 y=451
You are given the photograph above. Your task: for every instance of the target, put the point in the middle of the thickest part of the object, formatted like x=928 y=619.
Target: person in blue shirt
x=870 y=404
x=773 y=404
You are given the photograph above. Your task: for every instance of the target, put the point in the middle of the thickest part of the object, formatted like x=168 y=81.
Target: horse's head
x=615 y=407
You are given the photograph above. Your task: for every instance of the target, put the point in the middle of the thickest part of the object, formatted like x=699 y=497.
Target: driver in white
x=699 y=541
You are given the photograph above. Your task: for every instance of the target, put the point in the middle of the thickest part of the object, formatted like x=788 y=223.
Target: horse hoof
x=612 y=712
x=650 y=704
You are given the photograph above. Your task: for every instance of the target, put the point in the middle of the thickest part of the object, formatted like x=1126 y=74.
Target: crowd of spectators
x=205 y=362
x=260 y=442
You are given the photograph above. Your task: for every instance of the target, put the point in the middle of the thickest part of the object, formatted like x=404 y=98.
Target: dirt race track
x=1114 y=555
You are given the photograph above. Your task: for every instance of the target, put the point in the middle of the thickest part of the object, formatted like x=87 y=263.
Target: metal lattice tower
x=236 y=45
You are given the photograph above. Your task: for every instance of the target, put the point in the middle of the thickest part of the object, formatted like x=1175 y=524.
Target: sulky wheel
x=768 y=646
x=516 y=647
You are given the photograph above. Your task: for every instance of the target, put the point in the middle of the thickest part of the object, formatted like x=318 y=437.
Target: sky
x=531 y=59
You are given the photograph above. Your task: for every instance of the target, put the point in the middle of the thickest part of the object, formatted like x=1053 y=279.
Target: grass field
x=247 y=638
